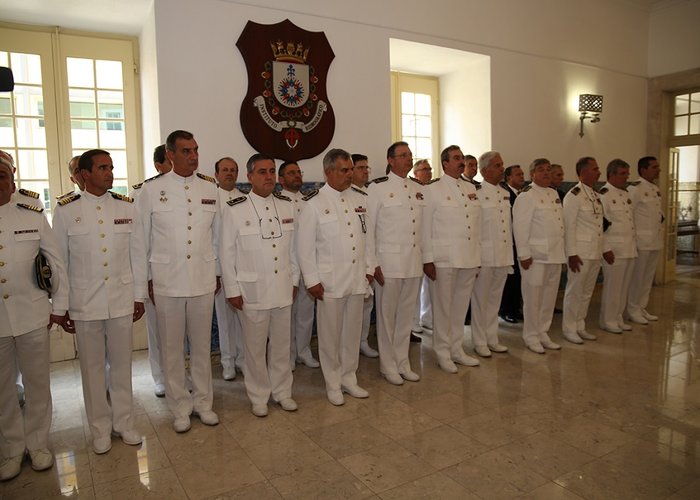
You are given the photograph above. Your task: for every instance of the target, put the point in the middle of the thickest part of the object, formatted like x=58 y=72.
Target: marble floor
x=616 y=418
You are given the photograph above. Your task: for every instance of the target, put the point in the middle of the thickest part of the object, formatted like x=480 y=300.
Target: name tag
x=360 y=210
x=473 y=196
x=207 y=201
x=25 y=231
x=287 y=221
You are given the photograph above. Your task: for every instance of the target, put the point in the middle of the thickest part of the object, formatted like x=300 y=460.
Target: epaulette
x=206 y=177
x=236 y=201
x=526 y=188
x=154 y=177
x=380 y=179
x=477 y=186
x=603 y=190
x=432 y=180
x=415 y=180
x=68 y=199
x=309 y=196
x=27 y=192
x=280 y=196
x=358 y=190
x=576 y=190
x=65 y=195
x=118 y=196
x=634 y=183
x=137 y=186
x=245 y=189
x=30 y=207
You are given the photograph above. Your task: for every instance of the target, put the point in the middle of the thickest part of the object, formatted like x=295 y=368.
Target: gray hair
x=333 y=156
x=250 y=164
x=486 y=159
x=537 y=162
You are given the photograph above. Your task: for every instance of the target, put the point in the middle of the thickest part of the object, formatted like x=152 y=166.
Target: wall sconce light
x=589 y=103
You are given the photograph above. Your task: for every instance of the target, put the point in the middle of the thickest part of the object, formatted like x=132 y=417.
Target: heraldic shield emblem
x=286 y=112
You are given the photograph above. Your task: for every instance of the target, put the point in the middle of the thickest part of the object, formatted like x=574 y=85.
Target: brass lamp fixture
x=589 y=103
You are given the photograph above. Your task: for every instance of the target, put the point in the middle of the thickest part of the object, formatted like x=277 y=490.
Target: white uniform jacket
x=27 y=197
x=394 y=220
x=451 y=224
x=100 y=240
x=583 y=222
x=258 y=256
x=298 y=201
x=180 y=221
x=25 y=307
x=331 y=241
x=496 y=226
x=538 y=225
x=648 y=216
x=620 y=236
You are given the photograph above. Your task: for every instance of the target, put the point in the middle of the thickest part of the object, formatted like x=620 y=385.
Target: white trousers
x=154 y=355
x=26 y=428
x=339 y=332
x=395 y=305
x=266 y=344
x=302 y=324
x=616 y=284
x=110 y=340
x=449 y=294
x=230 y=334
x=486 y=300
x=180 y=318
x=539 y=286
x=424 y=306
x=367 y=306
x=577 y=296
x=642 y=281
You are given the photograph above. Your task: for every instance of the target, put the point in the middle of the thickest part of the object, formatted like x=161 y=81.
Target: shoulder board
x=415 y=180
x=477 y=186
x=137 y=186
x=245 y=189
x=27 y=192
x=526 y=188
x=634 y=183
x=280 y=196
x=308 y=196
x=30 y=207
x=380 y=179
x=65 y=195
x=236 y=201
x=603 y=190
x=433 y=180
x=118 y=196
x=358 y=190
x=576 y=190
x=206 y=177
x=152 y=178
x=68 y=199
x=310 y=191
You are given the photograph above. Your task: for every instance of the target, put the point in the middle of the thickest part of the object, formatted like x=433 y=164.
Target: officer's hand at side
x=575 y=263
x=218 y=285
x=429 y=270
x=526 y=263
x=370 y=278
x=236 y=302
x=139 y=309
x=55 y=319
x=150 y=292
x=316 y=291
x=609 y=257
x=379 y=276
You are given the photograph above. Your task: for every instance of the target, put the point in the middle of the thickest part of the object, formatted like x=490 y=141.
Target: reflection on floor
x=616 y=418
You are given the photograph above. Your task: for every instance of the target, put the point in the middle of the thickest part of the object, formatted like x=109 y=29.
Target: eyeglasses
x=369 y=169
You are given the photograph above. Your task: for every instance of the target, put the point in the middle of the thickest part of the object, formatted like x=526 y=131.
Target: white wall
x=202 y=78
x=674 y=40
x=150 y=110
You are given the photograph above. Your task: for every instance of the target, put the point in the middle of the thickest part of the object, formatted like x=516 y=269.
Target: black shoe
x=415 y=338
x=509 y=319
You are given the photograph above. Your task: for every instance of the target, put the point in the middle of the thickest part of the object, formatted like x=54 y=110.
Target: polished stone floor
x=616 y=418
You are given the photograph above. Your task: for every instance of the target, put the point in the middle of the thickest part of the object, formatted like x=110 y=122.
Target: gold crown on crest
x=291 y=52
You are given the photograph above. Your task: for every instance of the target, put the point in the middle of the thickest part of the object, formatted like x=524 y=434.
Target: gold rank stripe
x=30 y=207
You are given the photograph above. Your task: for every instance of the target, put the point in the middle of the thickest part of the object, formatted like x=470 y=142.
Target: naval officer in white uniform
x=538 y=227
x=621 y=239
x=261 y=275
x=649 y=223
x=24 y=340
x=451 y=256
x=331 y=251
x=496 y=255
x=98 y=233
x=394 y=217
x=179 y=213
